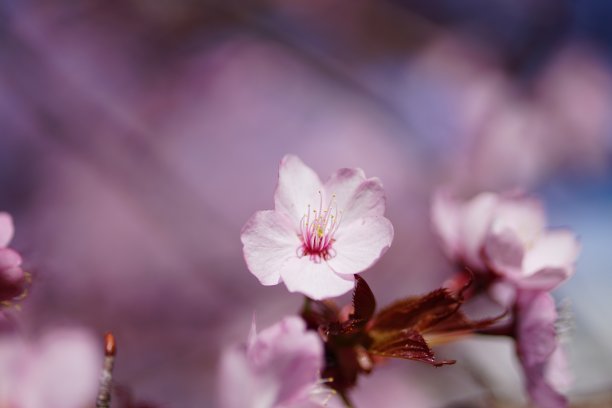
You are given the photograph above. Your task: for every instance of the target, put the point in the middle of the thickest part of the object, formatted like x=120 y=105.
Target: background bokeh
x=137 y=137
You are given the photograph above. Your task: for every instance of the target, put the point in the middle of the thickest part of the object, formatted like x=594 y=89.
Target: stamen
x=317 y=233
x=321 y=389
x=564 y=325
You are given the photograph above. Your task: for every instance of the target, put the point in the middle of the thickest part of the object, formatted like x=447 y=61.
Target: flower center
x=317 y=229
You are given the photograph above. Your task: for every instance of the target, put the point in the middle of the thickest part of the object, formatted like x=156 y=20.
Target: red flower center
x=317 y=229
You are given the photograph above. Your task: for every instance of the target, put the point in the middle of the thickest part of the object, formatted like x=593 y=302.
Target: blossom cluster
x=13 y=279
x=320 y=236
x=516 y=261
x=318 y=241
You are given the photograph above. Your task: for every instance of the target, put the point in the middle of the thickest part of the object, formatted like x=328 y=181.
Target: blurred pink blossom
x=542 y=358
x=462 y=226
x=318 y=235
x=520 y=248
x=279 y=367
x=505 y=233
x=59 y=371
x=525 y=135
x=12 y=277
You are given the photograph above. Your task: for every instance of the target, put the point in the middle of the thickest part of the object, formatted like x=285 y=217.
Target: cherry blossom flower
x=12 y=277
x=278 y=367
x=319 y=234
x=505 y=234
x=541 y=356
x=59 y=371
x=463 y=226
x=520 y=248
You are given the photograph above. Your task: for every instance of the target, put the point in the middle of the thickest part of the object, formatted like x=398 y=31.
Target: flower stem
x=347 y=401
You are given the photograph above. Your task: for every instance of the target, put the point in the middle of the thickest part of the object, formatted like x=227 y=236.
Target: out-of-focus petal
x=543 y=395
x=554 y=249
x=558 y=371
x=536 y=315
x=298 y=187
x=316 y=280
x=269 y=242
x=445 y=218
x=504 y=293
x=11 y=352
x=504 y=253
x=278 y=368
x=524 y=216
x=9 y=258
x=238 y=387
x=61 y=371
x=537 y=345
x=7 y=229
x=544 y=279
x=360 y=244
x=292 y=354
x=475 y=222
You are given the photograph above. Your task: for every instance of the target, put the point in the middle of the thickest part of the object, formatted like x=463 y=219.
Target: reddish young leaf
x=407 y=344
x=418 y=313
x=364 y=303
x=459 y=322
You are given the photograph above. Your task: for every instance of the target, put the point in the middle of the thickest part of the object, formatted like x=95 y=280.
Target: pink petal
x=537 y=339
x=504 y=293
x=292 y=355
x=445 y=211
x=558 y=373
x=544 y=279
x=238 y=385
x=355 y=195
x=252 y=333
x=9 y=258
x=7 y=229
x=539 y=350
x=504 y=254
x=278 y=368
x=524 y=216
x=544 y=395
x=12 y=350
x=62 y=372
x=315 y=280
x=298 y=187
x=558 y=249
x=476 y=218
x=360 y=244
x=269 y=241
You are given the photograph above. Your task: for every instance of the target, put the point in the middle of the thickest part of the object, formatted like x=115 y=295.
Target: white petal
x=504 y=253
x=239 y=386
x=268 y=243
x=7 y=229
x=476 y=218
x=62 y=372
x=524 y=216
x=315 y=280
x=554 y=249
x=355 y=196
x=360 y=244
x=544 y=280
x=445 y=221
x=298 y=187
x=291 y=355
